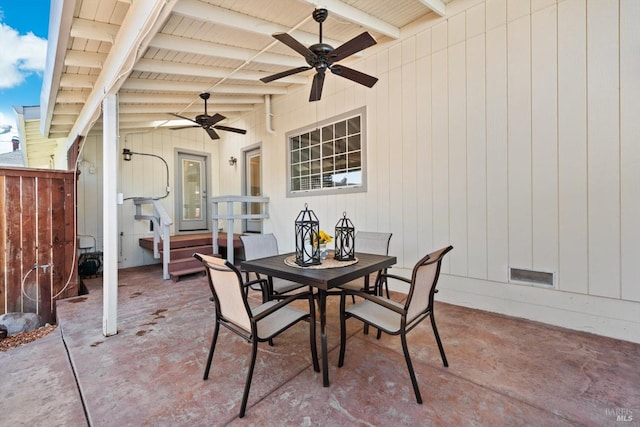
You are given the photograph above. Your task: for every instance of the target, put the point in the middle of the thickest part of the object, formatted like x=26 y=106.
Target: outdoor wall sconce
x=345 y=238
x=232 y=161
x=127 y=154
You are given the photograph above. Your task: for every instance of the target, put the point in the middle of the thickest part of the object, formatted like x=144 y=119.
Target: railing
x=230 y=217
x=161 y=229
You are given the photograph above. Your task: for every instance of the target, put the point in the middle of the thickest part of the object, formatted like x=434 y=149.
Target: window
x=328 y=157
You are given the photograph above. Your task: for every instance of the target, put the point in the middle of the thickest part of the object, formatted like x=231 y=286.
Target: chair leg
x=435 y=332
x=410 y=366
x=211 y=350
x=245 y=396
x=343 y=330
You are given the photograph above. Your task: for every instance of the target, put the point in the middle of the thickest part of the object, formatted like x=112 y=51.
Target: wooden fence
x=37 y=240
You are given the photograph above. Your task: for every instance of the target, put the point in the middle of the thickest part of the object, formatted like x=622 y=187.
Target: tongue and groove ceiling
x=192 y=46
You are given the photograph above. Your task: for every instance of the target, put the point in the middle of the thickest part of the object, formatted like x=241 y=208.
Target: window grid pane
x=328 y=157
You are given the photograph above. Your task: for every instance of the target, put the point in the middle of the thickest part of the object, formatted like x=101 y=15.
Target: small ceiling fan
x=207 y=122
x=322 y=57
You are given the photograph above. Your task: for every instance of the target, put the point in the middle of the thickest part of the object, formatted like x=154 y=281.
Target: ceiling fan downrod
x=204 y=96
x=320 y=15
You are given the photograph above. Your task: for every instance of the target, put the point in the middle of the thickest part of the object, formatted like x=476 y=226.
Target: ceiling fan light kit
x=322 y=57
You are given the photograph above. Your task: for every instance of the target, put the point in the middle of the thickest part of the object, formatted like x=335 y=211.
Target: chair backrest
x=423 y=284
x=371 y=242
x=226 y=286
x=259 y=245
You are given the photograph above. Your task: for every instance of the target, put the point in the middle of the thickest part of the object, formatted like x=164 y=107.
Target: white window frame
x=354 y=188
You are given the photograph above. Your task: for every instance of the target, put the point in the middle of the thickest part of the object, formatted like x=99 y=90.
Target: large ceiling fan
x=207 y=122
x=322 y=57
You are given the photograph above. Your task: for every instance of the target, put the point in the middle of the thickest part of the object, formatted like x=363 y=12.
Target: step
x=188 y=240
x=183 y=263
x=175 y=276
x=188 y=252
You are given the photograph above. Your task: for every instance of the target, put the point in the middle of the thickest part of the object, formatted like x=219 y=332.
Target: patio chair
x=371 y=242
x=254 y=324
x=261 y=246
x=395 y=318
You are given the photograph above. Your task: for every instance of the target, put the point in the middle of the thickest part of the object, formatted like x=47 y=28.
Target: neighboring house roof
x=12 y=159
x=159 y=55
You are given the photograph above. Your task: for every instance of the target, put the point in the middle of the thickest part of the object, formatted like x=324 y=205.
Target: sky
x=24 y=28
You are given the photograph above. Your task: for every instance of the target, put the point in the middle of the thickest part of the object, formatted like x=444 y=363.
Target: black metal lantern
x=345 y=239
x=307 y=241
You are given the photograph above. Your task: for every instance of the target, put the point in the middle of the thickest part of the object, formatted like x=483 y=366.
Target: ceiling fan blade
x=284 y=74
x=183 y=117
x=352 y=46
x=186 y=127
x=294 y=44
x=316 y=86
x=212 y=120
x=230 y=129
x=353 y=75
x=212 y=133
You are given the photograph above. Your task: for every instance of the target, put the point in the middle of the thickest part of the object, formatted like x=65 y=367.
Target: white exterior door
x=253 y=187
x=192 y=212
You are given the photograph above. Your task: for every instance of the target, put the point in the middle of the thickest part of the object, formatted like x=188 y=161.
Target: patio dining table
x=323 y=279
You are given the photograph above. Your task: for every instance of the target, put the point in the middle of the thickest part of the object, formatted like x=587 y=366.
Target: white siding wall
x=496 y=129
x=507 y=129
x=143 y=176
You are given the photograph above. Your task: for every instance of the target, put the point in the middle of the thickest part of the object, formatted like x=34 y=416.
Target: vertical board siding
x=396 y=145
x=440 y=138
x=29 y=282
x=519 y=134
x=477 y=157
x=424 y=177
x=371 y=201
x=630 y=148
x=458 y=233
x=573 y=260
x=544 y=140
x=603 y=148
x=45 y=245
x=13 y=266
x=497 y=152
x=410 y=162
x=39 y=214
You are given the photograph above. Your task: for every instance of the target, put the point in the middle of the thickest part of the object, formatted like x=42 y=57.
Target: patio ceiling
x=161 y=54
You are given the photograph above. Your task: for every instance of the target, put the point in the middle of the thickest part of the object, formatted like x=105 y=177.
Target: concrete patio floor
x=502 y=370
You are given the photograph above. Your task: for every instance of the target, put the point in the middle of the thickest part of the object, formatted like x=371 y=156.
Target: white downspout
x=267 y=114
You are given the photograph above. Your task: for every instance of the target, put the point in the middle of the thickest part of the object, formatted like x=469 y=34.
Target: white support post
x=230 y=225
x=214 y=240
x=110 y=213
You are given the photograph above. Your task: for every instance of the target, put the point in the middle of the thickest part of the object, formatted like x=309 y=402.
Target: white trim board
x=598 y=315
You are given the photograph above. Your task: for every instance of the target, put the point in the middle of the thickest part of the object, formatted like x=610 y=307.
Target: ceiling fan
x=207 y=122
x=322 y=57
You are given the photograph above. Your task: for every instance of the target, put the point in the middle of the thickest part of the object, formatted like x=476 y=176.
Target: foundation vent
x=539 y=278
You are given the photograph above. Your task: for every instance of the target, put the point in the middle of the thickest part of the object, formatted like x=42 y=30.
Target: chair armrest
x=262 y=282
x=281 y=304
x=393 y=276
x=374 y=299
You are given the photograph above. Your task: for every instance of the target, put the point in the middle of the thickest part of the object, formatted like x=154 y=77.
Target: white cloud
x=20 y=56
